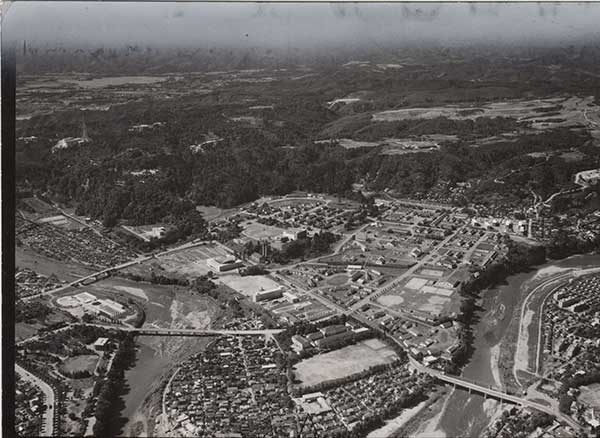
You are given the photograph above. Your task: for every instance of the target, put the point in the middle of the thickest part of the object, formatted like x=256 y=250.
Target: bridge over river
x=489 y=391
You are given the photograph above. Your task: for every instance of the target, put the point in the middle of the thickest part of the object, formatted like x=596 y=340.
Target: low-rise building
x=300 y=342
x=270 y=294
x=224 y=264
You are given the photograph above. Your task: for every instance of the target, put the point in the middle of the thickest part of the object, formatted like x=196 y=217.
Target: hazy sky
x=297 y=25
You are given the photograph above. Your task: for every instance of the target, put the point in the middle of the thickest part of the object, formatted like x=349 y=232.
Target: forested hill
x=159 y=149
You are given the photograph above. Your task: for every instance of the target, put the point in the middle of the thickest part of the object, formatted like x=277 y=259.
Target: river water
x=467 y=415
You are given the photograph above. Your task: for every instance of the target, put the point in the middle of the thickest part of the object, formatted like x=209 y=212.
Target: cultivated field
x=343 y=362
x=542 y=113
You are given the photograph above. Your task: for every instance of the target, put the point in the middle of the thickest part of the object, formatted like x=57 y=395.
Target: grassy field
x=80 y=363
x=590 y=395
x=343 y=362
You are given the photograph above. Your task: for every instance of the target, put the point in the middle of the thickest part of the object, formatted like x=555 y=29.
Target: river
x=468 y=415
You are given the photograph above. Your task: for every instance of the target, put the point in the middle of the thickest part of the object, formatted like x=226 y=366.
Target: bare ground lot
x=343 y=362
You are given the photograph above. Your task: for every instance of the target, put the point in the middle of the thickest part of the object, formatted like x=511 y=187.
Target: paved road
x=48 y=418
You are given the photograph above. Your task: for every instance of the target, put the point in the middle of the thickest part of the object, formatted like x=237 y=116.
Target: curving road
x=48 y=417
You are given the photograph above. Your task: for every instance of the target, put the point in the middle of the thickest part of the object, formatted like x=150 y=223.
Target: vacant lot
x=80 y=363
x=343 y=362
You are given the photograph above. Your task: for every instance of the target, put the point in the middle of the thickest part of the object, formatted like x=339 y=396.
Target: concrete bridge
x=488 y=391
x=198 y=332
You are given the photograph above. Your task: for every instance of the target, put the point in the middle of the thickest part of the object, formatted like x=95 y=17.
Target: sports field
x=257 y=231
x=343 y=362
x=337 y=280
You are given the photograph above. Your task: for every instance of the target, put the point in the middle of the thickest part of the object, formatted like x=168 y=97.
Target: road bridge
x=495 y=393
x=198 y=332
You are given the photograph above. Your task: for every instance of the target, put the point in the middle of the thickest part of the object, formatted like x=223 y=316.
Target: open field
x=27 y=258
x=590 y=395
x=343 y=362
x=257 y=231
x=542 y=113
x=337 y=279
x=80 y=363
x=38 y=206
x=248 y=285
x=418 y=300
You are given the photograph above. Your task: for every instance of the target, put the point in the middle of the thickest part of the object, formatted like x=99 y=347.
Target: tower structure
x=84 y=134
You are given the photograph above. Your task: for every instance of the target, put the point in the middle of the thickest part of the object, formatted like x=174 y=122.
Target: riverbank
x=519 y=349
x=157 y=357
x=495 y=339
x=430 y=427
x=394 y=424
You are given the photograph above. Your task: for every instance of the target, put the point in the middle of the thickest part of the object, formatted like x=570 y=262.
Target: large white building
x=223 y=264
x=270 y=294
